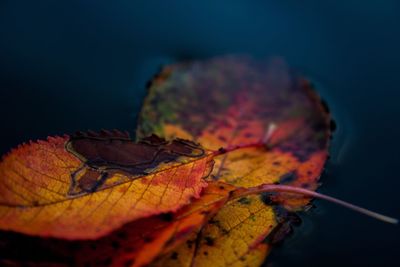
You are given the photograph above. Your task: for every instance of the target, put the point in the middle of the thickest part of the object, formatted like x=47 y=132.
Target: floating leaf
x=236 y=236
x=86 y=185
x=183 y=256
x=232 y=232
x=265 y=128
x=135 y=244
x=143 y=240
x=230 y=102
x=139 y=242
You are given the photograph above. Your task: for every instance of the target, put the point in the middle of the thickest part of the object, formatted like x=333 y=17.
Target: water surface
x=84 y=64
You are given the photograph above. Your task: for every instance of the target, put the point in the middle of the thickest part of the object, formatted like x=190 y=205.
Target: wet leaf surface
x=135 y=244
x=126 y=203
x=227 y=102
x=86 y=185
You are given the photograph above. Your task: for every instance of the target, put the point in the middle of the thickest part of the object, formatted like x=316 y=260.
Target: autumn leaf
x=145 y=239
x=228 y=102
x=155 y=199
x=139 y=242
x=245 y=212
x=135 y=244
x=233 y=231
x=183 y=255
x=86 y=185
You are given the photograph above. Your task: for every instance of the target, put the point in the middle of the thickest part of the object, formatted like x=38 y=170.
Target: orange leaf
x=234 y=102
x=218 y=242
x=86 y=185
x=141 y=241
x=135 y=244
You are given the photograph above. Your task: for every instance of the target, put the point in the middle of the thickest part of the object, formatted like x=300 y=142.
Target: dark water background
x=69 y=65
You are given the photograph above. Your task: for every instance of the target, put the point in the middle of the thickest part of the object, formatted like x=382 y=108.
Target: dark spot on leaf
x=205 y=253
x=222 y=150
x=244 y=201
x=288 y=177
x=213 y=221
x=209 y=240
x=276 y=163
x=122 y=235
x=267 y=199
x=167 y=217
x=115 y=245
x=221 y=187
x=189 y=243
x=174 y=256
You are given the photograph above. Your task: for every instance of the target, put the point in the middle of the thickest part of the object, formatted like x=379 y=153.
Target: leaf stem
x=298 y=190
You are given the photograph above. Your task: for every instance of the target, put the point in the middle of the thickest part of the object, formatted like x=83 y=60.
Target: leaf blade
x=232 y=101
x=47 y=208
